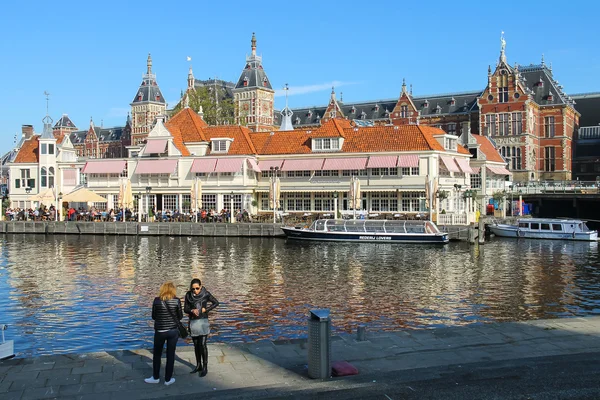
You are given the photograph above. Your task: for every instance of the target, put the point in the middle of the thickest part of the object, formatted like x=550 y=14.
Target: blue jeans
x=160 y=338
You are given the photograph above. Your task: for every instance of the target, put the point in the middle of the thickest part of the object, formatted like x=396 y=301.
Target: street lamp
x=274 y=172
x=139 y=206
x=512 y=212
x=148 y=190
x=231 y=207
x=335 y=205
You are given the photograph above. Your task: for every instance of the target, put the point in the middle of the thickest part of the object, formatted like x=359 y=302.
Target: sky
x=90 y=56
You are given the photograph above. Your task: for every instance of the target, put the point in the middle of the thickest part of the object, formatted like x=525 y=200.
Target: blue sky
x=91 y=56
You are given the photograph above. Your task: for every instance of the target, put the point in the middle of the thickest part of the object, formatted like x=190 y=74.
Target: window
x=219 y=146
x=209 y=201
x=169 y=202
x=549 y=126
x=26 y=180
x=451 y=129
x=50 y=148
x=298 y=201
x=326 y=144
x=44 y=178
x=412 y=201
x=524 y=225
x=44 y=148
x=503 y=124
x=557 y=227
x=404 y=111
x=503 y=95
x=384 y=201
x=535 y=225
x=323 y=201
x=550 y=161
x=407 y=171
x=237 y=201
x=545 y=227
x=475 y=181
x=513 y=156
x=51 y=177
x=200 y=174
x=490 y=125
x=517 y=123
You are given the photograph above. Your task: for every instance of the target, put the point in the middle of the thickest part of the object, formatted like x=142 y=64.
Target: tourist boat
x=546 y=228
x=374 y=231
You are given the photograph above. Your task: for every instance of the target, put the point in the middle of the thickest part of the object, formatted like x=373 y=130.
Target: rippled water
x=78 y=294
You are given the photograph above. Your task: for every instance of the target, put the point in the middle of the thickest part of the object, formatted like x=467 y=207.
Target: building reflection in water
x=86 y=293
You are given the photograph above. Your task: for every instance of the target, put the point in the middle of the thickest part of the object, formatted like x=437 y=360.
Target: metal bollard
x=361 y=334
x=319 y=344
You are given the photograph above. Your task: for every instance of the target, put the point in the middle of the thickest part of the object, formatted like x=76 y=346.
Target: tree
x=217 y=105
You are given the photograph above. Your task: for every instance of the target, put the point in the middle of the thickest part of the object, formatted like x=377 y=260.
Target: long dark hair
x=195 y=280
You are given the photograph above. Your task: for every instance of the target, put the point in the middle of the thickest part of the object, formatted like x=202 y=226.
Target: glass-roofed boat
x=379 y=231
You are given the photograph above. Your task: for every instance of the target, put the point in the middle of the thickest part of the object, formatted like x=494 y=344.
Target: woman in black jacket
x=196 y=306
x=166 y=313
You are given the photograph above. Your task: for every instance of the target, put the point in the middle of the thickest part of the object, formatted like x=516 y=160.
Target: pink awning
x=206 y=165
x=253 y=165
x=266 y=165
x=156 y=146
x=70 y=177
x=464 y=165
x=313 y=164
x=104 y=167
x=476 y=170
x=450 y=164
x=145 y=167
x=229 y=164
x=382 y=162
x=498 y=170
x=345 y=163
x=408 y=160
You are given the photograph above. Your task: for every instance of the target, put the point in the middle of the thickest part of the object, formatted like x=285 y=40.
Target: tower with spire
x=47 y=151
x=253 y=94
x=146 y=105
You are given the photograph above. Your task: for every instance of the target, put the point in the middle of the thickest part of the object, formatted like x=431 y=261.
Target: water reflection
x=74 y=294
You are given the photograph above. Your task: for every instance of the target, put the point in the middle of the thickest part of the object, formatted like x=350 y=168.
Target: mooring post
x=481 y=233
x=361 y=334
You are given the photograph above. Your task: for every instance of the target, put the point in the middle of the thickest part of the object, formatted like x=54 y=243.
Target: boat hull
x=514 y=232
x=365 y=237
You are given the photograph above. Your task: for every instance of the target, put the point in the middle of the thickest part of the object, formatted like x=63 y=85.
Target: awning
x=157 y=146
x=382 y=162
x=229 y=164
x=206 y=165
x=408 y=160
x=464 y=165
x=476 y=170
x=155 y=167
x=345 y=163
x=104 y=167
x=253 y=165
x=69 y=177
x=498 y=170
x=313 y=164
x=265 y=165
x=450 y=164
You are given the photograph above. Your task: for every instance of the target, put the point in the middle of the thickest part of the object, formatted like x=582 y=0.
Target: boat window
x=545 y=227
x=535 y=225
x=523 y=224
x=585 y=227
x=320 y=226
x=557 y=227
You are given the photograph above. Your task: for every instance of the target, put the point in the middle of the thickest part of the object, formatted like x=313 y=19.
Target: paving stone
x=87 y=369
x=26 y=383
x=38 y=367
x=16 y=395
x=64 y=380
x=78 y=389
x=27 y=375
x=117 y=367
x=47 y=392
x=97 y=377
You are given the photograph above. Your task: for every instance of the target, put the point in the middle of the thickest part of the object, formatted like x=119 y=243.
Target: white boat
x=546 y=228
x=378 y=231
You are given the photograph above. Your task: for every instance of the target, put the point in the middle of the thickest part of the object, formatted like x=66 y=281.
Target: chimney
x=27 y=131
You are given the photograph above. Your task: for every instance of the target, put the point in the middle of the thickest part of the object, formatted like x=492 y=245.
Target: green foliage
x=442 y=194
x=5 y=203
x=499 y=195
x=217 y=110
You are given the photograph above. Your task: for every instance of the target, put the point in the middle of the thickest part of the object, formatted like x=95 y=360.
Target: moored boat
x=546 y=228
x=377 y=231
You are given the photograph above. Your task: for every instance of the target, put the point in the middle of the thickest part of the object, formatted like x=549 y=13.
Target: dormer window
x=426 y=104
x=326 y=144
x=376 y=107
x=452 y=101
x=363 y=115
x=353 y=110
x=450 y=143
x=540 y=83
x=245 y=81
x=309 y=114
x=550 y=97
x=220 y=145
x=265 y=81
x=438 y=109
x=297 y=119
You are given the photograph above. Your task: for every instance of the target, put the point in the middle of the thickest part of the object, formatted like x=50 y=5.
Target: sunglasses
x=195 y=288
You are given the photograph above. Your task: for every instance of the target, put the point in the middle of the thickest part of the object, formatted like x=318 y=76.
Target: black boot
x=197 y=352
x=204 y=370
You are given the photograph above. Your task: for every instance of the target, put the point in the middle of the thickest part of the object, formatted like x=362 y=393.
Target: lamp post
x=231 y=207
x=512 y=212
x=28 y=191
x=274 y=171
x=140 y=206
x=335 y=205
x=148 y=190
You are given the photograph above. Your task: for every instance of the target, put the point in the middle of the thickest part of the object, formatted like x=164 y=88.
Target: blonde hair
x=167 y=291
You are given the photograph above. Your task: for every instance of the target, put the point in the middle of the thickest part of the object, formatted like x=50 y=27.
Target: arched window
x=44 y=180
x=51 y=177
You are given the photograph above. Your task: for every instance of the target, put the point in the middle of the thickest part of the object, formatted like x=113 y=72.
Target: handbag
x=183 y=332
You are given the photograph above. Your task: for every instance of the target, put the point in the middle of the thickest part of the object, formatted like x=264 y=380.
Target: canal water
x=62 y=294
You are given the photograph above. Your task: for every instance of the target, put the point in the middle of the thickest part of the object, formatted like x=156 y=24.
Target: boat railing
x=377 y=226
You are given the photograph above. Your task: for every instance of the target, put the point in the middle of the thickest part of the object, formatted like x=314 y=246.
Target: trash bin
x=319 y=344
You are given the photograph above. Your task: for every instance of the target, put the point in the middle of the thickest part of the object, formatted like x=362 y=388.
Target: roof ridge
x=247 y=137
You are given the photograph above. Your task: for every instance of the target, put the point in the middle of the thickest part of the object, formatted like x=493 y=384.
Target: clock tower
x=253 y=95
x=146 y=105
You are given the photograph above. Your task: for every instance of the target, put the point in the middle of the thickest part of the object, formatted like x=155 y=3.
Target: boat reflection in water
x=369 y=231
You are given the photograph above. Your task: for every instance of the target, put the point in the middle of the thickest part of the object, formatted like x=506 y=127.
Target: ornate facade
x=146 y=105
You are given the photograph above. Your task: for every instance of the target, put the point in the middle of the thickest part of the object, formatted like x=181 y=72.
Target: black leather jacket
x=199 y=302
x=163 y=320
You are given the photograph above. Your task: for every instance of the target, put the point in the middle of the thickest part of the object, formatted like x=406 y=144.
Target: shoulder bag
x=183 y=332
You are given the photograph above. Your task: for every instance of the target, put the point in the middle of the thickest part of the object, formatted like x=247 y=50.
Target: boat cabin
x=374 y=226
x=555 y=226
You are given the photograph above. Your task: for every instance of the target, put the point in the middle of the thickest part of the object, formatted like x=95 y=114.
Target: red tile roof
x=487 y=148
x=333 y=128
x=241 y=145
x=29 y=151
x=186 y=126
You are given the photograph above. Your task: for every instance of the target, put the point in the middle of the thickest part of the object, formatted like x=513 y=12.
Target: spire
x=47 y=132
x=410 y=89
x=190 y=79
x=149 y=64
x=201 y=112
x=186 y=100
x=253 y=43
x=128 y=119
x=341 y=97
x=502 y=48
x=286 y=114
x=333 y=93
x=403 y=85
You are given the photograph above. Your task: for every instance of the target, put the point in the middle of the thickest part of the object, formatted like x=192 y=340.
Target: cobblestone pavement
x=266 y=368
